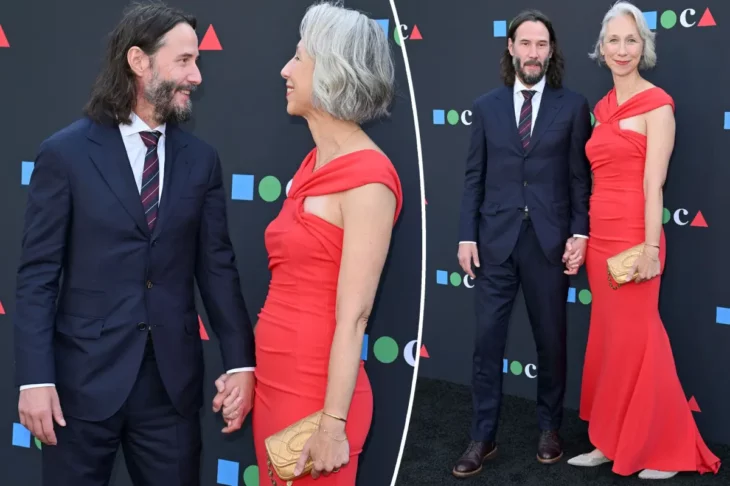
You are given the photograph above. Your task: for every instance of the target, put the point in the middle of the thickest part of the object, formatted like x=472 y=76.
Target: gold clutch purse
x=619 y=266
x=285 y=447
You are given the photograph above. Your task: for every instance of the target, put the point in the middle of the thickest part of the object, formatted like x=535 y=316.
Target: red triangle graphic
x=415 y=34
x=210 y=41
x=3 y=38
x=2 y=309
x=707 y=19
x=203 y=332
x=425 y=200
x=699 y=220
x=693 y=405
x=424 y=352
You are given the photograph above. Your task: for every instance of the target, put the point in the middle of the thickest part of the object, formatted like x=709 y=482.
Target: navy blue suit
x=520 y=206
x=106 y=307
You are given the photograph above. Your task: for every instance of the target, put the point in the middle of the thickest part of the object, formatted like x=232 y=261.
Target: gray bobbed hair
x=648 y=58
x=353 y=66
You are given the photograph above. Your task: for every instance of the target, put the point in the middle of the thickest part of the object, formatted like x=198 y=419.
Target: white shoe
x=591 y=459
x=654 y=474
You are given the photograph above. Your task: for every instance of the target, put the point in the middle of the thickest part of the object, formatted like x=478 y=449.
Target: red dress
x=631 y=395
x=297 y=323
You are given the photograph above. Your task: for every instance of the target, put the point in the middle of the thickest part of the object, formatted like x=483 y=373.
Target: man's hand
x=467 y=254
x=235 y=398
x=38 y=408
x=575 y=254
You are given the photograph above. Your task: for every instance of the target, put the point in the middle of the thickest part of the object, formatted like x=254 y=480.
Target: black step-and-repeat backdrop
x=49 y=55
x=456 y=59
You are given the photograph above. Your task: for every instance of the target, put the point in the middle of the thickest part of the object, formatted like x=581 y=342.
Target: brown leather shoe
x=549 y=447
x=470 y=462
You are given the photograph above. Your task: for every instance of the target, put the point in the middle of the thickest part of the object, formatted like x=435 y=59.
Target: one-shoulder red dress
x=631 y=395
x=297 y=322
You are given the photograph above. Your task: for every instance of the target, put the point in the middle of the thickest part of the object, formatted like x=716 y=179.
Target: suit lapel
x=549 y=107
x=507 y=116
x=175 y=176
x=108 y=153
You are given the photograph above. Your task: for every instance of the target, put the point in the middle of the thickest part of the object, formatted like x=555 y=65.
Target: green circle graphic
x=666 y=216
x=251 y=476
x=37 y=442
x=668 y=19
x=585 y=296
x=385 y=349
x=593 y=119
x=455 y=279
x=516 y=368
x=397 y=37
x=269 y=188
x=453 y=117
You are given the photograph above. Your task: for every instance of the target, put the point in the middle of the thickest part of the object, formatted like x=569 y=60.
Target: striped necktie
x=525 y=126
x=150 y=177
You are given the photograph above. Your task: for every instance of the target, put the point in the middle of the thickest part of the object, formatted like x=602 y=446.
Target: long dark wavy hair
x=114 y=92
x=556 y=65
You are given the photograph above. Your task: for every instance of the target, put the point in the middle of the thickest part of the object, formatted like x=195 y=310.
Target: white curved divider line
x=422 y=186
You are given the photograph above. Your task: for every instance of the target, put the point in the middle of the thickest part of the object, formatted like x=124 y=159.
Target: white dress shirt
x=136 y=151
x=519 y=100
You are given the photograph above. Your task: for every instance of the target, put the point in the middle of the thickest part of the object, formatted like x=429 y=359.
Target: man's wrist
x=238 y=370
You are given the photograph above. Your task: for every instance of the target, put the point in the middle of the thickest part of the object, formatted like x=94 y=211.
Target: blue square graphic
x=722 y=315
x=227 y=472
x=442 y=277
x=242 y=187
x=505 y=365
x=21 y=436
x=364 y=352
x=650 y=18
x=500 y=28
x=727 y=120
x=439 y=117
x=384 y=23
x=26 y=169
x=571 y=295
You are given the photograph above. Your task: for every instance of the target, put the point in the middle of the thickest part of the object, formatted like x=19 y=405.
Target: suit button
x=149 y=284
x=142 y=326
x=525 y=183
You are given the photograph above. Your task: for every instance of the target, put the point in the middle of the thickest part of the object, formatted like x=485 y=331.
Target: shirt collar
x=137 y=126
x=539 y=87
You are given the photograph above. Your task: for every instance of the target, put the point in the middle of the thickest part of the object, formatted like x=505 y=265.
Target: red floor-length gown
x=296 y=325
x=631 y=395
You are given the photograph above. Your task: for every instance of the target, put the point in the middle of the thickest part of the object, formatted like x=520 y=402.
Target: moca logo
x=403 y=32
x=452 y=117
x=687 y=18
x=517 y=368
x=682 y=217
x=386 y=350
x=269 y=187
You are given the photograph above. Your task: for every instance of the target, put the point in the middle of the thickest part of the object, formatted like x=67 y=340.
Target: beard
x=161 y=94
x=530 y=78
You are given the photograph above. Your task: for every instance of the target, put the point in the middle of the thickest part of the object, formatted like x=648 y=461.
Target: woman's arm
x=368 y=213
x=660 y=130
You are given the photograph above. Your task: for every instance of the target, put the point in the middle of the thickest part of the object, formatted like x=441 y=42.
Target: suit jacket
x=93 y=280
x=551 y=178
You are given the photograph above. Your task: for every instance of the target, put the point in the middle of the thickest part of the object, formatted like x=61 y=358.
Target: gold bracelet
x=333 y=437
x=334 y=417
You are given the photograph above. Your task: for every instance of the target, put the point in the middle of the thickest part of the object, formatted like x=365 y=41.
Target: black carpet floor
x=438 y=434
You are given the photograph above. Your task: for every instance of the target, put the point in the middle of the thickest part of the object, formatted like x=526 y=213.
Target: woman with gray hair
x=327 y=249
x=631 y=395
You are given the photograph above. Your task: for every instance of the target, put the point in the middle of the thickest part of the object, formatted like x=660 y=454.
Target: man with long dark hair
x=130 y=210
x=523 y=223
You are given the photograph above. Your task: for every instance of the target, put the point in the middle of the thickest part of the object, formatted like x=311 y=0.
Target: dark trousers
x=545 y=288
x=160 y=446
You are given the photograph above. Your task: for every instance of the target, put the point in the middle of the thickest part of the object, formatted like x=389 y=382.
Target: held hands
x=575 y=255
x=38 y=408
x=647 y=266
x=234 y=398
x=328 y=447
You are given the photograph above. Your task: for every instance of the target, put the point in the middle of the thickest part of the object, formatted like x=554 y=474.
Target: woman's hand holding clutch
x=647 y=265
x=328 y=447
